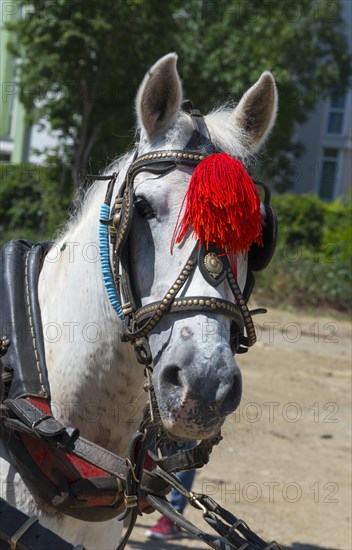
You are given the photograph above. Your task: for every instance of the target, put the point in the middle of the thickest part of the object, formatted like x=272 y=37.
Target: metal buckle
x=131 y=467
x=142 y=351
x=21 y=531
x=237 y=523
x=194 y=500
x=131 y=501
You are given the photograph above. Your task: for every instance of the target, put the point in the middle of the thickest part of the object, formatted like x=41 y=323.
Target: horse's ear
x=159 y=96
x=256 y=112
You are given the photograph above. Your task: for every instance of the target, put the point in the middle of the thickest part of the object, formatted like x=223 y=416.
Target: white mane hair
x=229 y=137
x=93 y=196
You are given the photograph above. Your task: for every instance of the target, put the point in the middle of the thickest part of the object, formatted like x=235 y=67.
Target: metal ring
x=131 y=501
x=194 y=499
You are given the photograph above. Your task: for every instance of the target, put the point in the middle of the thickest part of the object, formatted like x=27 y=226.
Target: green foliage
x=301 y=42
x=313 y=260
x=300 y=220
x=81 y=63
x=33 y=202
x=337 y=229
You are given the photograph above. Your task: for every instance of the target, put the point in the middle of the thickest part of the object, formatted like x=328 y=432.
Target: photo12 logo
x=291 y=411
x=272 y=491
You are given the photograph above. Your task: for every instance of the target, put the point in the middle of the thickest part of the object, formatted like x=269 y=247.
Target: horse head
x=196 y=379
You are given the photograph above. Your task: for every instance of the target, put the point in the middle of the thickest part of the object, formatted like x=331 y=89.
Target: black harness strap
x=30 y=535
x=20 y=319
x=188 y=459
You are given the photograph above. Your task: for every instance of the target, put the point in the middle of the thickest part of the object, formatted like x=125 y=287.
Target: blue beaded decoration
x=105 y=261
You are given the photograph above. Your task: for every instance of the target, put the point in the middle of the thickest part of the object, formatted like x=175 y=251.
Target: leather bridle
x=214 y=264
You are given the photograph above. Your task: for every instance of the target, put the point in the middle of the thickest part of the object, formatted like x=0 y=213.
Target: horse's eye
x=144 y=208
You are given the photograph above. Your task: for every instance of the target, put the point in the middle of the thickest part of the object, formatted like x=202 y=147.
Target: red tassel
x=222 y=205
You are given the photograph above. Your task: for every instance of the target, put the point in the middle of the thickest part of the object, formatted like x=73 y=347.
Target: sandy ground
x=284 y=465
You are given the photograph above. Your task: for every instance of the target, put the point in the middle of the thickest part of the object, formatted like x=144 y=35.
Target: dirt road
x=284 y=465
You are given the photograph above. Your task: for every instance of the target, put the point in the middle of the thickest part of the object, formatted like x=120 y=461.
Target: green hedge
x=312 y=263
x=34 y=201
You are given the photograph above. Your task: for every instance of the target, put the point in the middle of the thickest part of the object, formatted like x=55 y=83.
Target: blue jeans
x=177 y=500
x=186 y=478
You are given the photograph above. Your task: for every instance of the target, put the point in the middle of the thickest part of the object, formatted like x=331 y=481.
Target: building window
x=5 y=157
x=335 y=121
x=335 y=118
x=329 y=174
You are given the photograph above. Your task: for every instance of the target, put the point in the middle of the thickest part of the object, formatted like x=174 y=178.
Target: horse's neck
x=95 y=383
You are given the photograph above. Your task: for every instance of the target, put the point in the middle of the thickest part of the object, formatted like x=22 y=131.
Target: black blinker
x=212 y=265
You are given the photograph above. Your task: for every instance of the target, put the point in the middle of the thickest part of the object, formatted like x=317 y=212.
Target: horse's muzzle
x=194 y=401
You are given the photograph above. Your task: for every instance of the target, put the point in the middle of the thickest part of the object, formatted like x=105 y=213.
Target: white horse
x=96 y=383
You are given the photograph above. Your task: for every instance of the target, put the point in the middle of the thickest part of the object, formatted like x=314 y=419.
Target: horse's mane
x=85 y=195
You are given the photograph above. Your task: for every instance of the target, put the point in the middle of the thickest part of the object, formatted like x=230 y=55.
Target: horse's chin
x=186 y=431
x=187 y=418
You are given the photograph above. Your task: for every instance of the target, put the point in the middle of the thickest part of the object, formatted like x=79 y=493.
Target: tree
x=302 y=42
x=81 y=63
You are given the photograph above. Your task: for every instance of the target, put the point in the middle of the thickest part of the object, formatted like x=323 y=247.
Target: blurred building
x=18 y=140
x=325 y=168
x=14 y=136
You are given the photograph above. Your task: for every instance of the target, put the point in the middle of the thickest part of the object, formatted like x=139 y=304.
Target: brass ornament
x=116 y=219
x=213 y=264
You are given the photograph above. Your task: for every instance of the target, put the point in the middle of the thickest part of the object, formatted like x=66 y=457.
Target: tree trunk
x=85 y=142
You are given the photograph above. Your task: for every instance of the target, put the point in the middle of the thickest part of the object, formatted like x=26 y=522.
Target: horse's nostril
x=231 y=397
x=171 y=375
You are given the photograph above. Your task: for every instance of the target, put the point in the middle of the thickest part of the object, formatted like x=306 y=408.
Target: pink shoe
x=164 y=529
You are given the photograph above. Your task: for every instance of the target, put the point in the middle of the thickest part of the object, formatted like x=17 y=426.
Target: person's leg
x=176 y=499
